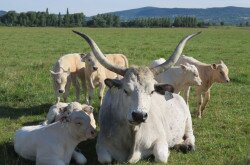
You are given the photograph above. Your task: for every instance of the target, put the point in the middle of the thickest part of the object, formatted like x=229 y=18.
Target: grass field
x=27 y=55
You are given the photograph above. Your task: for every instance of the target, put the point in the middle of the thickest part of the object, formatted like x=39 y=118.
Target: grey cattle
x=137 y=118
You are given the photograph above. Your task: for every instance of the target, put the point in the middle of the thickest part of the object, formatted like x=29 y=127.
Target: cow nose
x=228 y=80
x=139 y=116
x=95 y=67
x=61 y=91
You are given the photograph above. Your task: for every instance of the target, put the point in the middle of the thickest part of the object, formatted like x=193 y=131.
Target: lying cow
x=180 y=77
x=65 y=71
x=95 y=73
x=57 y=111
x=209 y=74
x=55 y=143
x=61 y=109
x=137 y=118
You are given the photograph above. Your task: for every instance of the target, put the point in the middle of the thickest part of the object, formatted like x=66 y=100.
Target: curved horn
x=174 y=57
x=100 y=56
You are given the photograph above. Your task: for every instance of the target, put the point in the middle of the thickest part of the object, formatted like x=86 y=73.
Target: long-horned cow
x=137 y=118
x=209 y=74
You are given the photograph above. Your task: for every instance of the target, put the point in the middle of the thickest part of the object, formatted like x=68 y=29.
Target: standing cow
x=180 y=77
x=95 y=73
x=65 y=71
x=136 y=118
x=209 y=74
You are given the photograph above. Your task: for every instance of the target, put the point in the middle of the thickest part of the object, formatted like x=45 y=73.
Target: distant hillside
x=2 y=12
x=229 y=15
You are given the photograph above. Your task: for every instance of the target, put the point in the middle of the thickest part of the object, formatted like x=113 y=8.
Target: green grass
x=26 y=93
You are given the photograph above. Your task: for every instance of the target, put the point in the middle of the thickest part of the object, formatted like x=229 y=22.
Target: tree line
x=44 y=19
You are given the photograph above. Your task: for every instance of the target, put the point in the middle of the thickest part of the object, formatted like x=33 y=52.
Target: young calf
x=95 y=73
x=209 y=74
x=60 y=109
x=54 y=143
x=180 y=77
x=65 y=71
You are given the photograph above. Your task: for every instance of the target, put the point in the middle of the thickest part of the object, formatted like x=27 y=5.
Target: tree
x=221 y=23
x=60 y=20
x=66 y=19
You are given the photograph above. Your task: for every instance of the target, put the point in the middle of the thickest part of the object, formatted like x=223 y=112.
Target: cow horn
x=174 y=57
x=100 y=56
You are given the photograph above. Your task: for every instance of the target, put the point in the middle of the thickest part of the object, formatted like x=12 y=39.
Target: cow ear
x=113 y=83
x=213 y=66
x=83 y=57
x=162 y=88
x=183 y=67
x=64 y=119
x=88 y=109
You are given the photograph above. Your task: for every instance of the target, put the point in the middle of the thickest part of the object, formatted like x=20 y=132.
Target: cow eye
x=152 y=92
x=78 y=123
x=221 y=72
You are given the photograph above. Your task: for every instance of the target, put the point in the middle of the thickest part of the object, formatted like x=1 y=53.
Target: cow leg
x=91 y=94
x=77 y=87
x=67 y=88
x=189 y=138
x=206 y=99
x=84 y=87
x=186 y=94
x=102 y=154
x=79 y=157
x=101 y=91
x=161 y=151
x=199 y=102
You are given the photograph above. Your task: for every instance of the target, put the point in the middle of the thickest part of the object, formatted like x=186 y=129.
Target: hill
x=229 y=15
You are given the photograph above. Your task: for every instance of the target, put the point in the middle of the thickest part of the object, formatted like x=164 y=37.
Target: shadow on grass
x=14 y=113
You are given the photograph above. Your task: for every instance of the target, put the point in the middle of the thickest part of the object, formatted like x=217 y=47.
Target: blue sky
x=92 y=7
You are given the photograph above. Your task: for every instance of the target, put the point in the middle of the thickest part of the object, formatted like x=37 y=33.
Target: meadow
x=28 y=54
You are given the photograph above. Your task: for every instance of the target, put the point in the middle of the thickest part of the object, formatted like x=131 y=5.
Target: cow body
x=167 y=123
x=209 y=74
x=180 y=77
x=66 y=71
x=54 y=143
x=96 y=74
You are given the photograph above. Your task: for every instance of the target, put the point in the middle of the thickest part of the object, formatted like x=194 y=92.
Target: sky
x=93 y=7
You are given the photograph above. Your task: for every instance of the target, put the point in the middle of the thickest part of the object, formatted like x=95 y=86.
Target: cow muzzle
x=139 y=117
x=95 y=68
x=61 y=91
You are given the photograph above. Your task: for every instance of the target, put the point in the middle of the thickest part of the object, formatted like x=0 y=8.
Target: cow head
x=138 y=84
x=191 y=74
x=220 y=72
x=80 y=125
x=136 y=89
x=90 y=61
x=60 y=79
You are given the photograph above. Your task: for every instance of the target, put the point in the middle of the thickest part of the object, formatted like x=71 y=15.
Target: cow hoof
x=186 y=148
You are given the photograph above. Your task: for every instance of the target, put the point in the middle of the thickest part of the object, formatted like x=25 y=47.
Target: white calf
x=65 y=71
x=180 y=77
x=54 y=143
